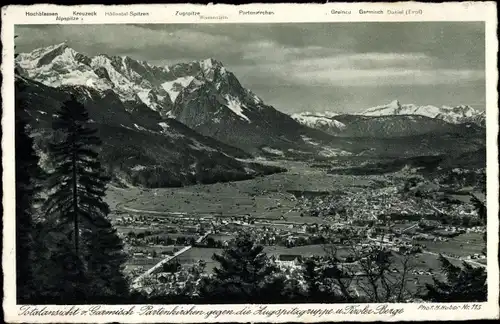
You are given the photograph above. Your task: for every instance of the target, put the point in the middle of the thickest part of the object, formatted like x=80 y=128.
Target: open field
x=270 y=197
x=194 y=255
x=226 y=202
x=135 y=229
x=462 y=245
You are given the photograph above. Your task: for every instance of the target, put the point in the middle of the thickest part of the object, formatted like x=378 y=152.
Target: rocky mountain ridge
x=139 y=147
x=203 y=95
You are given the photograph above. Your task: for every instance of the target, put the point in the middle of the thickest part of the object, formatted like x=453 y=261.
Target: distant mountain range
x=195 y=122
x=454 y=115
x=394 y=120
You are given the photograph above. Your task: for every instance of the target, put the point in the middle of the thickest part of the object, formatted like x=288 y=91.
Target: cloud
x=379 y=77
x=370 y=69
x=364 y=61
x=270 y=51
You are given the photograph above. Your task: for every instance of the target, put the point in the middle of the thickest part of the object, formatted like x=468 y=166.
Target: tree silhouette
x=78 y=183
x=462 y=284
x=243 y=273
x=105 y=263
x=28 y=178
x=28 y=175
x=78 y=186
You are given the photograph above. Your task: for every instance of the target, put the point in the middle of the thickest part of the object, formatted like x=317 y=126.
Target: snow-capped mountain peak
x=454 y=115
x=138 y=82
x=42 y=56
x=322 y=121
x=131 y=80
x=393 y=108
x=395 y=104
x=210 y=63
x=210 y=67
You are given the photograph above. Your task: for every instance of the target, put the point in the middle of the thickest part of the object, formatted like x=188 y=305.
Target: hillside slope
x=138 y=147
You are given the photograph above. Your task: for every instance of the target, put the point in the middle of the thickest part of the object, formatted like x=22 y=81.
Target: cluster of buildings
x=371 y=203
x=475 y=256
x=176 y=223
x=476 y=229
x=186 y=281
x=363 y=216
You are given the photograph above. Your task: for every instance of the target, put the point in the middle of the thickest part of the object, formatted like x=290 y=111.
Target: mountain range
x=395 y=120
x=138 y=149
x=455 y=115
x=203 y=95
x=195 y=122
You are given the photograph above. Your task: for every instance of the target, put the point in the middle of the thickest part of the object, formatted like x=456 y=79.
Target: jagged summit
x=394 y=107
x=395 y=103
x=51 y=47
x=163 y=89
x=211 y=62
x=63 y=44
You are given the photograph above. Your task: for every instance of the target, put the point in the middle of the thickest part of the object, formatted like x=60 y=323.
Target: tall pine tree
x=78 y=186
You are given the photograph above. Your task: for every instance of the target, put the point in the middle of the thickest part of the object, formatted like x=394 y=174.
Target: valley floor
x=157 y=224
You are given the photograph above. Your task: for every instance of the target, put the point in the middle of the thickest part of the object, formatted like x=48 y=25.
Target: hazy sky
x=295 y=67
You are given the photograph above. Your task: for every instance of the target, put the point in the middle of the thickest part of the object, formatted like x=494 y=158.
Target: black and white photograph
x=258 y=163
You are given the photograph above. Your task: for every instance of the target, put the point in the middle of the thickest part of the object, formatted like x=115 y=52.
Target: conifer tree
x=78 y=187
x=77 y=184
x=28 y=176
x=243 y=273
x=462 y=284
x=105 y=263
x=66 y=282
x=27 y=173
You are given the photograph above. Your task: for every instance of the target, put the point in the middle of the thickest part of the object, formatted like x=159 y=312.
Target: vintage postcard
x=254 y=163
